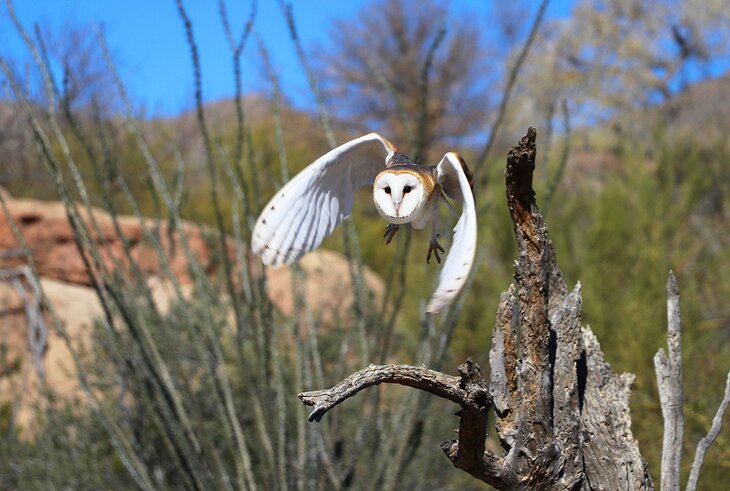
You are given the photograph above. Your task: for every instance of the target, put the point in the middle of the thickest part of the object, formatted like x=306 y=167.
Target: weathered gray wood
x=447 y=386
x=610 y=453
x=567 y=391
x=561 y=413
x=671 y=395
x=468 y=451
x=469 y=390
x=534 y=453
x=503 y=363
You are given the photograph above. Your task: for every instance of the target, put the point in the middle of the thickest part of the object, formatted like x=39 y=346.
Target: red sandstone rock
x=49 y=235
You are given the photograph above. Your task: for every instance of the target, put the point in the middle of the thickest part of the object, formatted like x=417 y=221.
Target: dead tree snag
x=562 y=414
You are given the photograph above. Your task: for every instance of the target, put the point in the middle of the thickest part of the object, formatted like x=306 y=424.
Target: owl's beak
x=396 y=205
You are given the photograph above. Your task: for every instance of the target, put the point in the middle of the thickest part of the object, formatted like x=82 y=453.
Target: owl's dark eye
x=387 y=190
x=406 y=190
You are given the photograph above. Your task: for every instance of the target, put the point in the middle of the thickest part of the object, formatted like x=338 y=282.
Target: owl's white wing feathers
x=456 y=268
x=315 y=201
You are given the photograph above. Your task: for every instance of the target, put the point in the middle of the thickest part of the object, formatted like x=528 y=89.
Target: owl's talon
x=390 y=231
x=435 y=248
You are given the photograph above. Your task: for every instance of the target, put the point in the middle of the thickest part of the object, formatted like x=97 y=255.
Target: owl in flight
x=315 y=201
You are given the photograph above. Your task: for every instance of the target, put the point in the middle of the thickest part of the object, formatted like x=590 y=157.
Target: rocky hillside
x=65 y=283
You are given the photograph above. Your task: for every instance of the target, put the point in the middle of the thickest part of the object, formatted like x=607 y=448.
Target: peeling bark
x=610 y=453
x=562 y=413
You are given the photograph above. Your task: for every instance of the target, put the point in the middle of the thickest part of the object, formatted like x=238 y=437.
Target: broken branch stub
x=668 y=367
x=561 y=413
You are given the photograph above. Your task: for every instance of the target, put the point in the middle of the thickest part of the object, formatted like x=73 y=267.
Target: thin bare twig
x=211 y=163
x=37 y=329
x=131 y=461
x=276 y=109
x=324 y=117
x=481 y=160
x=705 y=443
x=555 y=182
x=236 y=51
x=422 y=121
x=380 y=77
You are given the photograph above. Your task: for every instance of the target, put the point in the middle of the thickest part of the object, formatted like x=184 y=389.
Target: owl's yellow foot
x=390 y=231
x=435 y=248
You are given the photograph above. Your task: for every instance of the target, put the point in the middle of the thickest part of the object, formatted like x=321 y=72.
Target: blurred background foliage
x=633 y=177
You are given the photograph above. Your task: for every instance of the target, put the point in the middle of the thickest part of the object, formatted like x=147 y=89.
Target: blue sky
x=148 y=43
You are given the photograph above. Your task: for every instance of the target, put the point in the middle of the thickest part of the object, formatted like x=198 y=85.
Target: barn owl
x=315 y=201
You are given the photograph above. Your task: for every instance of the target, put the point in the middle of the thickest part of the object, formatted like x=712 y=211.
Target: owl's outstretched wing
x=455 y=179
x=315 y=201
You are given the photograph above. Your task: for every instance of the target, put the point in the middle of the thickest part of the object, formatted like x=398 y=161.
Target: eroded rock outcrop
x=66 y=285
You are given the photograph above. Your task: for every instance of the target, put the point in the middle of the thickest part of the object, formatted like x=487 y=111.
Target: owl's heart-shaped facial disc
x=398 y=195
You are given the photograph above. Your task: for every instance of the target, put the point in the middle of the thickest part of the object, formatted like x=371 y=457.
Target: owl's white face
x=398 y=195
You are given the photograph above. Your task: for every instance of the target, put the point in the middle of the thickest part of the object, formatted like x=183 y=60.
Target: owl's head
x=398 y=194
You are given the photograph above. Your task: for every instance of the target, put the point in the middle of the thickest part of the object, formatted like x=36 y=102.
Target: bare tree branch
x=669 y=381
x=555 y=181
x=324 y=117
x=437 y=383
x=481 y=160
x=468 y=452
x=379 y=61
x=705 y=443
x=37 y=329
